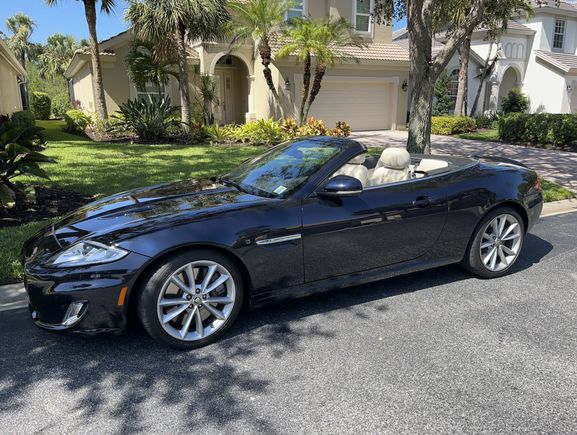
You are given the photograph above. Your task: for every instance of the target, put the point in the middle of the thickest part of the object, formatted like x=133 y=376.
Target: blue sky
x=66 y=17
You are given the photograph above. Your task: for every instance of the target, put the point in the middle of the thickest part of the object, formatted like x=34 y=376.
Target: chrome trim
x=279 y=239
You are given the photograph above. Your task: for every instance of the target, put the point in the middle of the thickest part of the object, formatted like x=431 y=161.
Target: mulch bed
x=50 y=203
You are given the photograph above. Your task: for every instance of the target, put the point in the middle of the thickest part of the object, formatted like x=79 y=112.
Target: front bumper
x=87 y=300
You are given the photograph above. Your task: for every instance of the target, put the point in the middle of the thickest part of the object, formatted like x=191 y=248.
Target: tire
x=490 y=254
x=184 y=313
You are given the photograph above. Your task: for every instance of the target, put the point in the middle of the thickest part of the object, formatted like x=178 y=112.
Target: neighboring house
x=538 y=55
x=369 y=95
x=12 y=79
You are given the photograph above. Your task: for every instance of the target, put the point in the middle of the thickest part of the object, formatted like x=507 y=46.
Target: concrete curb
x=13 y=296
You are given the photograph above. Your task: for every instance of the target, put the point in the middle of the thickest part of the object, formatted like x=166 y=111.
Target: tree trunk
x=99 y=96
x=306 y=88
x=320 y=71
x=183 y=79
x=265 y=53
x=461 y=103
x=421 y=79
x=486 y=71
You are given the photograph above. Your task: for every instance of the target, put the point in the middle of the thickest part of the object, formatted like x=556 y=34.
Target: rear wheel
x=191 y=299
x=496 y=244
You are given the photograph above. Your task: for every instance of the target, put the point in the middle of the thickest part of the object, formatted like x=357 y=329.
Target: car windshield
x=282 y=170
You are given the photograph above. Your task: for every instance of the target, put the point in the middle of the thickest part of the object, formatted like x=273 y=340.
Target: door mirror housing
x=342 y=185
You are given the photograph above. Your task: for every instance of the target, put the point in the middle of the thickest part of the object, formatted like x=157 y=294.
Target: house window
x=151 y=92
x=226 y=60
x=297 y=10
x=454 y=84
x=362 y=14
x=559 y=34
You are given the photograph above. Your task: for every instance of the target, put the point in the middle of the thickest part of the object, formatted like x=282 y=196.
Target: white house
x=538 y=55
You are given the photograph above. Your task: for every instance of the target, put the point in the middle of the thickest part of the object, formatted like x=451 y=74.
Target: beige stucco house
x=12 y=73
x=370 y=94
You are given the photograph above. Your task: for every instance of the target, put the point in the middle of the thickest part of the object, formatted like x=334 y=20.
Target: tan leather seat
x=392 y=167
x=355 y=168
x=427 y=165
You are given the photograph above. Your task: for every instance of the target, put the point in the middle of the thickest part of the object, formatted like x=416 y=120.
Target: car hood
x=132 y=213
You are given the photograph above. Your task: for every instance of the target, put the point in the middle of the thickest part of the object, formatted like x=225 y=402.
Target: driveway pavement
x=557 y=166
x=435 y=352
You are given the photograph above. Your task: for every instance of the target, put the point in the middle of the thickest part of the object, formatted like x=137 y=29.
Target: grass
x=106 y=168
x=489 y=135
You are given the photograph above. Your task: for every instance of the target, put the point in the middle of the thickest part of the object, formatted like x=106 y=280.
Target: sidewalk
x=558 y=166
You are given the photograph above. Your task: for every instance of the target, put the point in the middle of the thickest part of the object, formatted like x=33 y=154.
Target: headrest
x=358 y=160
x=395 y=158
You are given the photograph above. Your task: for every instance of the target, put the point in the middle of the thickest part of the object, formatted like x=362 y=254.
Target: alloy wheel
x=501 y=243
x=196 y=300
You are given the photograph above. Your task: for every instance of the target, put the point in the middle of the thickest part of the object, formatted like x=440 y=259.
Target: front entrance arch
x=509 y=81
x=235 y=88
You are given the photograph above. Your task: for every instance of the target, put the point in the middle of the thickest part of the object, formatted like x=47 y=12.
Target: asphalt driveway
x=436 y=352
x=557 y=166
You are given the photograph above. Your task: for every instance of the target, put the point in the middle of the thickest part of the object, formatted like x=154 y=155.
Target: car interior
x=394 y=165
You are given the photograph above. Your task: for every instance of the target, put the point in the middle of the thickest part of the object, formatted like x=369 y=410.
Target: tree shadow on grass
x=119 y=380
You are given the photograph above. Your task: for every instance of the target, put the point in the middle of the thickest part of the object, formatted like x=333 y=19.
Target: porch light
x=569 y=88
x=405 y=86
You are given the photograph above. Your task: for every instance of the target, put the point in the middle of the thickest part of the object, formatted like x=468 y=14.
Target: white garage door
x=365 y=103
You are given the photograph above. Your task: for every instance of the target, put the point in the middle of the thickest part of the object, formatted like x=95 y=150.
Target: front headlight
x=86 y=253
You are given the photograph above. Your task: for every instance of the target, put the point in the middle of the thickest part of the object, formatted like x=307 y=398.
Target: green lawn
x=481 y=135
x=106 y=168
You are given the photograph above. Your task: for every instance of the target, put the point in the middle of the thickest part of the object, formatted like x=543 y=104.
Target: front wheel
x=191 y=299
x=496 y=244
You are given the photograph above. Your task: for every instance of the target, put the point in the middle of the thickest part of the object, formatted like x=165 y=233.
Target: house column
x=494 y=97
x=250 y=115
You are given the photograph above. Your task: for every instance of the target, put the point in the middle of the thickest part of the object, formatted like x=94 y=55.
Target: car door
x=381 y=226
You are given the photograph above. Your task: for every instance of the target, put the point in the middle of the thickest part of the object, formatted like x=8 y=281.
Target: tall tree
x=56 y=54
x=261 y=20
x=169 y=24
x=21 y=26
x=106 y=6
x=424 y=69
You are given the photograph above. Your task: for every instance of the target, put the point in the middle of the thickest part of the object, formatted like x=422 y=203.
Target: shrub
x=342 y=129
x=489 y=119
x=20 y=154
x=515 y=102
x=148 y=119
x=76 y=121
x=538 y=129
x=314 y=127
x=60 y=105
x=220 y=134
x=23 y=119
x=449 y=125
x=41 y=105
x=291 y=127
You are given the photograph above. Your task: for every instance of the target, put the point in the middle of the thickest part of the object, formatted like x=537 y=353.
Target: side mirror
x=341 y=185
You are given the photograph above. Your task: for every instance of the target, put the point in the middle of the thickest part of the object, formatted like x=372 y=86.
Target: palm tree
x=146 y=65
x=21 y=26
x=106 y=6
x=333 y=37
x=301 y=40
x=261 y=20
x=169 y=24
x=56 y=55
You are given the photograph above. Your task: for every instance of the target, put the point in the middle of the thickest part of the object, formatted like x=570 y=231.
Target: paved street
x=557 y=166
x=436 y=352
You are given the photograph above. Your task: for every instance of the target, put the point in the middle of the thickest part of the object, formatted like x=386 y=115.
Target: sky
x=68 y=17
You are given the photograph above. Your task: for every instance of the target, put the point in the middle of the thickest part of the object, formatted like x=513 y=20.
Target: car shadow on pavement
x=119 y=380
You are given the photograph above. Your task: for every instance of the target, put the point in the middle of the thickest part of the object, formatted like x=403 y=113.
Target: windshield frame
x=348 y=149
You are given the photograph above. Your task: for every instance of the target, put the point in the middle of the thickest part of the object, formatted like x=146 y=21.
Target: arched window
x=454 y=84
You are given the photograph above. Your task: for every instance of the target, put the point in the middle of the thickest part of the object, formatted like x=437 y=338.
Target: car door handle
x=422 y=201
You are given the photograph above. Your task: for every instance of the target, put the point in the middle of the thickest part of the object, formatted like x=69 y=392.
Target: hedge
x=449 y=125
x=76 y=121
x=41 y=105
x=539 y=128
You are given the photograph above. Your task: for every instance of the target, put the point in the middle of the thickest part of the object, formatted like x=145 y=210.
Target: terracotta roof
x=565 y=62
x=564 y=6
x=372 y=52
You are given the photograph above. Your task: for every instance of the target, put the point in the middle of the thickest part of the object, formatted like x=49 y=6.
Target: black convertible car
x=306 y=216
